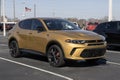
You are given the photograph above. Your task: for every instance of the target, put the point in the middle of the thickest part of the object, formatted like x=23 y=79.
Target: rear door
x=112 y=33
x=23 y=32
x=118 y=34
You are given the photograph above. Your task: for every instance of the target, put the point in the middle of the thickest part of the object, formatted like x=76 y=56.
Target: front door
x=38 y=36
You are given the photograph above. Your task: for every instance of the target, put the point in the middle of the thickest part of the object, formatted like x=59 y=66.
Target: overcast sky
x=82 y=9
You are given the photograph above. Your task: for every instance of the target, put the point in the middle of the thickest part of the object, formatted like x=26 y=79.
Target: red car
x=91 y=26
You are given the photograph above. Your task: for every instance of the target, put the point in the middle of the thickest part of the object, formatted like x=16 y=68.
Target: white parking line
x=113 y=51
x=113 y=63
x=3 y=45
x=39 y=69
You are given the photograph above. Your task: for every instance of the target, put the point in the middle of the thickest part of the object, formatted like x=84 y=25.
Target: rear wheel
x=14 y=49
x=55 y=56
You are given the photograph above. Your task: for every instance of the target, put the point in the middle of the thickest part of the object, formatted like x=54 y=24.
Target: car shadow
x=85 y=64
x=69 y=63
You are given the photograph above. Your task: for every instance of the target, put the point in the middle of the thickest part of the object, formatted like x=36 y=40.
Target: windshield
x=60 y=24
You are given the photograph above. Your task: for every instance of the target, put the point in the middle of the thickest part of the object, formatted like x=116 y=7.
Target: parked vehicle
x=8 y=25
x=1 y=27
x=91 y=26
x=58 y=39
x=76 y=24
x=111 y=31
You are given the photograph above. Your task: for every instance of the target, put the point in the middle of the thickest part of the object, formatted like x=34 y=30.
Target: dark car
x=111 y=31
x=8 y=26
x=1 y=27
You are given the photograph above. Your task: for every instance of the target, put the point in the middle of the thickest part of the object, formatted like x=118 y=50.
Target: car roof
x=111 y=21
x=43 y=18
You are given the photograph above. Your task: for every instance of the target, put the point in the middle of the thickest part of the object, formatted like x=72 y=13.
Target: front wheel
x=55 y=56
x=14 y=49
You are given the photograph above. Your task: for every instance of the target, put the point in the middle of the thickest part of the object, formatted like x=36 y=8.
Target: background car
x=91 y=26
x=58 y=39
x=111 y=31
x=8 y=25
x=76 y=24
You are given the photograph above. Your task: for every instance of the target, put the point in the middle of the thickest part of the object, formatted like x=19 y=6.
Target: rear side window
x=119 y=26
x=101 y=26
x=25 y=24
x=112 y=26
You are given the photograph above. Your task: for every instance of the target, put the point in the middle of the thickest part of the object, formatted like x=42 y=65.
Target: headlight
x=75 y=41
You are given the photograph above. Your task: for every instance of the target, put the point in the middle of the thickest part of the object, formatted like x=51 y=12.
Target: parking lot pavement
x=36 y=67
x=3 y=40
x=18 y=72
x=1 y=33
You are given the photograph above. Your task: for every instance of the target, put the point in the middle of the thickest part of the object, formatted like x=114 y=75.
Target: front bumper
x=84 y=51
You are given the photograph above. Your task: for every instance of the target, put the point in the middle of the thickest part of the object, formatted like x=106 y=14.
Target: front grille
x=87 y=53
x=96 y=44
x=94 y=41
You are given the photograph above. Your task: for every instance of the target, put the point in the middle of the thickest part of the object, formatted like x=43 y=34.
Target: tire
x=55 y=56
x=14 y=49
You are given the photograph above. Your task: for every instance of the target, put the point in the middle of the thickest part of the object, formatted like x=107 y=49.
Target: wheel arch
x=54 y=43
x=11 y=39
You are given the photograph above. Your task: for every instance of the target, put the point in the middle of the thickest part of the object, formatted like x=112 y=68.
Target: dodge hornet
x=57 y=39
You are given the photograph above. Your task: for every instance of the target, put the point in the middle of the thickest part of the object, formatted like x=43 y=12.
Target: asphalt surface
x=36 y=67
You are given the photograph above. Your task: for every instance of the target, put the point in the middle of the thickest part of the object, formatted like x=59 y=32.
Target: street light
x=110 y=11
x=0 y=10
x=3 y=14
x=14 y=10
x=34 y=10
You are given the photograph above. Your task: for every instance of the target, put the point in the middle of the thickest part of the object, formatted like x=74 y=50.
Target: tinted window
x=36 y=23
x=26 y=24
x=59 y=24
x=101 y=26
x=112 y=26
x=119 y=26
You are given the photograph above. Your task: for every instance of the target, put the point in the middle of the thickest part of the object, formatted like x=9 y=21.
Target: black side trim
x=32 y=51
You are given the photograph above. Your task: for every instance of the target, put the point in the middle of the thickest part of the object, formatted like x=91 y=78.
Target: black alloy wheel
x=14 y=49
x=55 y=56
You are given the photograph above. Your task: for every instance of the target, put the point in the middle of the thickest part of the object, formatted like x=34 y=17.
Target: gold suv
x=58 y=39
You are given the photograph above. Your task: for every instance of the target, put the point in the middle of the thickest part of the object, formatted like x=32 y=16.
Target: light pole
x=34 y=10
x=0 y=10
x=3 y=14
x=110 y=11
x=14 y=10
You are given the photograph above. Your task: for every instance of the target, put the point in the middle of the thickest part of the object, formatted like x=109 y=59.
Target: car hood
x=79 y=34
